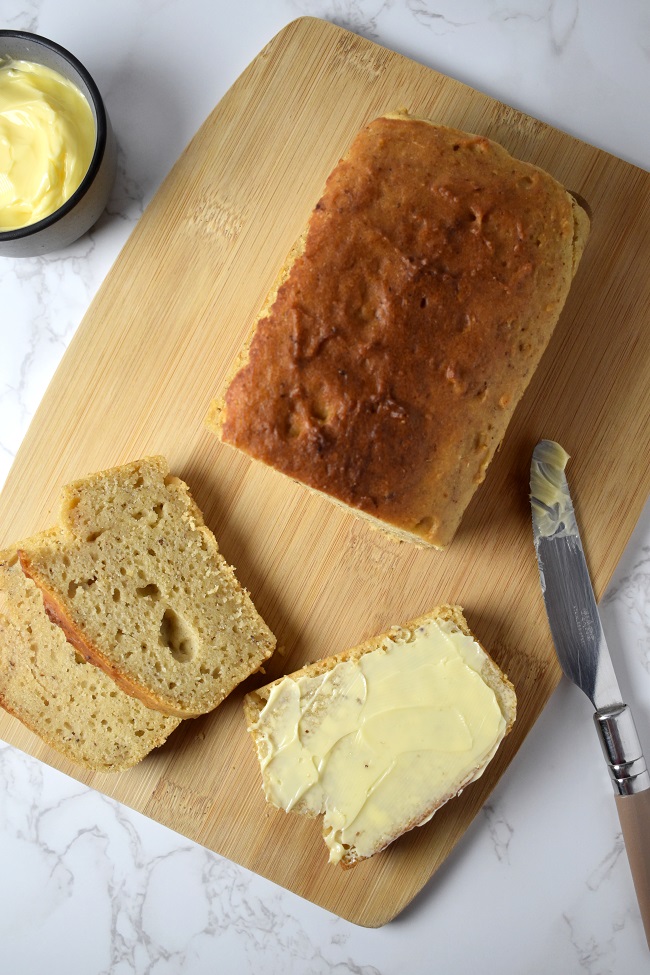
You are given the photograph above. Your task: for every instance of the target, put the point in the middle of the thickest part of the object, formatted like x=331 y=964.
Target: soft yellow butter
x=372 y=743
x=47 y=140
x=549 y=492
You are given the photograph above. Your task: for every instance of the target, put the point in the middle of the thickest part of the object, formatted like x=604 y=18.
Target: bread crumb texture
x=136 y=580
x=71 y=705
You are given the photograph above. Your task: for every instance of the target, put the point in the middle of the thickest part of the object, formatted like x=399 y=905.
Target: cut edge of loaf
x=215 y=416
x=91 y=653
x=70 y=748
x=491 y=674
x=74 y=632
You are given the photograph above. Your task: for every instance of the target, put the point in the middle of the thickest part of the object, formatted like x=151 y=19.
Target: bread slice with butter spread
x=377 y=738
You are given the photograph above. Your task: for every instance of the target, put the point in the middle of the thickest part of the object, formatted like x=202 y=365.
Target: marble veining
x=540 y=882
x=499 y=829
x=360 y=16
x=429 y=15
x=604 y=869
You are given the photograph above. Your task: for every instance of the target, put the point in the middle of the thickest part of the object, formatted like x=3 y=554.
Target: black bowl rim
x=19 y=233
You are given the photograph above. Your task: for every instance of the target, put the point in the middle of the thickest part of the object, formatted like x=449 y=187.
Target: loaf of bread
x=405 y=325
x=136 y=582
x=377 y=738
x=70 y=704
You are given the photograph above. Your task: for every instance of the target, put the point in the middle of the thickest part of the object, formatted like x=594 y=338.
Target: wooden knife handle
x=634 y=814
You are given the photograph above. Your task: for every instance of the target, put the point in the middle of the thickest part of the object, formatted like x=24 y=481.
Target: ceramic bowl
x=83 y=208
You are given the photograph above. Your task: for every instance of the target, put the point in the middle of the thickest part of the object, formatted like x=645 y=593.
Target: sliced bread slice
x=136 y=581
x=71 y=705
x=379 y=737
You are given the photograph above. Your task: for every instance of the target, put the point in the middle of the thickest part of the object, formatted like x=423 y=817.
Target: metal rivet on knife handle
x=622 y=749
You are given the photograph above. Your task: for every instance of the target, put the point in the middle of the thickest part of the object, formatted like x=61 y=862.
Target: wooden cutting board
x=153 y=350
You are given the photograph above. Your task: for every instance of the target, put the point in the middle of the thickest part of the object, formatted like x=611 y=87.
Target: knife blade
x=582 y=650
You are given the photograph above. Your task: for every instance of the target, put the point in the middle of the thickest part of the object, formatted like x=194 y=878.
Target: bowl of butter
x=57 y=148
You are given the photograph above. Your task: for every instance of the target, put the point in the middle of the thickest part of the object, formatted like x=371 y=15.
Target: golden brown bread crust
x=255 y=701
x=404 y=327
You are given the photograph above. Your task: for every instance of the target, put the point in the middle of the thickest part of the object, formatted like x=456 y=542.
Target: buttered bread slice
x=71 y=705
x=136 y=581
x=378 y=738
x=404 y=327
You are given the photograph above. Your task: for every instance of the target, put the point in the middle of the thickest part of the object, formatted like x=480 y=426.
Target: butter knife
x=582 y=651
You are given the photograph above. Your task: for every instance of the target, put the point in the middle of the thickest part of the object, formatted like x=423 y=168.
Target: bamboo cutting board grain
x=159 y=338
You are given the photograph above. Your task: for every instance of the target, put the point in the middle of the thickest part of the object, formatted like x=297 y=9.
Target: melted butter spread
x=376 y=744
x=549 y=492
x=47 y=140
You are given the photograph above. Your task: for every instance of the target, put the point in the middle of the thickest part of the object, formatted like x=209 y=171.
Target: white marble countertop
x=540 y=883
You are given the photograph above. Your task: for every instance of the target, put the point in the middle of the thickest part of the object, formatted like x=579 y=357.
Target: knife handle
x=634 y=814
x=631 y=781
